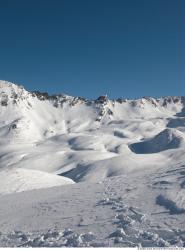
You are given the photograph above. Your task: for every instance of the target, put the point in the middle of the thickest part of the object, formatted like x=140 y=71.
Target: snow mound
x=167 y=139
x=87 y=142
x=18 y=180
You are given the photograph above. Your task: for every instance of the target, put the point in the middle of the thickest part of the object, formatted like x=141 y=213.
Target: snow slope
x=18 y=180
x=118 y=152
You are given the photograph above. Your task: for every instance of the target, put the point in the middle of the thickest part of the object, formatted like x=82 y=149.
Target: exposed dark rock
x=102 y=99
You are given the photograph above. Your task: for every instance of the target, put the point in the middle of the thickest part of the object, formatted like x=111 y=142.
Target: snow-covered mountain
x=134 y=149
x=82 y=139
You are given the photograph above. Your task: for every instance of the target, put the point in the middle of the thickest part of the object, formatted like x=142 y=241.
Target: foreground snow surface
x=77 y=173
x=119 y=211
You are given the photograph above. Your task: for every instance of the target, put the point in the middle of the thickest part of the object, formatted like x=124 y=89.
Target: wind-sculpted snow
x=125 y=159
x=169 y=205
x=176 y=122
x=18 y=180
x=167 y=139
x=120 y=211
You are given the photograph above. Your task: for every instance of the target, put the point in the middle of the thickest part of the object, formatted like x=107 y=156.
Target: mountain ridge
x=101 y=99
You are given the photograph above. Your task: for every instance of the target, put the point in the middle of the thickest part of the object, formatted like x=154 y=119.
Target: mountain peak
x=8 y=87
x=11 y=93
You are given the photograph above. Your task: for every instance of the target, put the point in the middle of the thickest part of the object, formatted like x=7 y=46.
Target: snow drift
x=167 y=139
x=125 y=159
x=84 y=140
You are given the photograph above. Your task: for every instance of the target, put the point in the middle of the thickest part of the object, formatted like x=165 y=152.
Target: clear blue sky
x=123 y=48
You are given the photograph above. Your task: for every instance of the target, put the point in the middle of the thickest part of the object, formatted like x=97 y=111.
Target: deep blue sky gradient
x=123 y=48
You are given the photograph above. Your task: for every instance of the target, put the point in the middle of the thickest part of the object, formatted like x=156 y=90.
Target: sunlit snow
x=76 y=172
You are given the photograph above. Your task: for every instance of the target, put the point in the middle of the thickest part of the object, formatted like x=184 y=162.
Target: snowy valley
x=78 y=172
